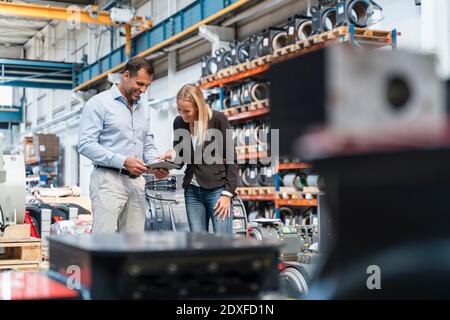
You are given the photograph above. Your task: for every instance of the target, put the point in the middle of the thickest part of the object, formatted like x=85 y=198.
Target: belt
x=120 y=171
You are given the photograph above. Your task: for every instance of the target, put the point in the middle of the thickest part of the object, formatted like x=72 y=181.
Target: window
x=6 y=98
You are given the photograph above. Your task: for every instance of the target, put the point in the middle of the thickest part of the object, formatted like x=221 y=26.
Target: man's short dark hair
x=137 y=63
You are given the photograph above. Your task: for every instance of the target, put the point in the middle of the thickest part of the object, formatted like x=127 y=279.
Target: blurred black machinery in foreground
x=167 y=265
x=376 y=128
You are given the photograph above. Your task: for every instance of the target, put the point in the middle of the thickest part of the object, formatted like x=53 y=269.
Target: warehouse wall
x=405 y=16
x=436 y=32
x=59 y=43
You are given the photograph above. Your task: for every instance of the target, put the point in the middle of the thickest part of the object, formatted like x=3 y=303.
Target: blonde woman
x=208 y=186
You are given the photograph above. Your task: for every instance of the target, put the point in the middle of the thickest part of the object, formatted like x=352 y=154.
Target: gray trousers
x=118 y=202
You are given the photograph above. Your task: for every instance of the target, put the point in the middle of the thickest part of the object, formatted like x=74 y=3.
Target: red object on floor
x=19 y=285
x=33 y=231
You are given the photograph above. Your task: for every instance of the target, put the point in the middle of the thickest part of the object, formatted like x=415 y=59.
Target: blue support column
x=352 y=34
x=222 y=97
x=202 y=9
x=394 y=39
x=277 y=189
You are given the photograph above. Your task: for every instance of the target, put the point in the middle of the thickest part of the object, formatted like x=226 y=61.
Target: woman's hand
x=160 y=173
x=222 y=207
x=168 y=155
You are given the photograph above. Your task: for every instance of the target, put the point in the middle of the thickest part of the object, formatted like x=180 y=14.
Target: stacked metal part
x=253 y=133
x=300 y=180
x=239 y=95
x=343 y=12
x=169 y=183
x=299 y=256
x=323 y=17
x=240 y=224
x=256 y=176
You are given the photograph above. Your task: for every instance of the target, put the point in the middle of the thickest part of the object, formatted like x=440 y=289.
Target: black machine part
x=289 y=235
x=261 y=134
x=212 y=65
x=2 y=224
x=356 y=12
x=273 y=39
x=328 y=18
x=169 y=183
x=246 y=135
x=243 y=53
x=161 y=216
x=295 y=279
x=316 y=20
x=236 y=135
x=227 y=59
x=204 y=63
x=256 y=46
x=412 y=260
x=235 y=97
x=266 y=176
x=299 y=28
x=240 y=223
x=66 y=207
x=250 y=176
x=287 y=215
x=254 y=91
x=57 y=211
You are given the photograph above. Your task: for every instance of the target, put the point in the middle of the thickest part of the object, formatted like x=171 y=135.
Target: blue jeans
x=200 y=204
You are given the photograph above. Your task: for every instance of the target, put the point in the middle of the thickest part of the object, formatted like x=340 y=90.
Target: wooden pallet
x=261 y=61
x=257 y=105
x=322 y=37
x=244 y=191
x=286 y=50
x=231 y=111
x=311 y=190
x=372 y=33
x=249 y=191
x=249 y=107
x=20 y=254
x=291 y=195
x=222 y=74
x=246 y=149
x=264 y=190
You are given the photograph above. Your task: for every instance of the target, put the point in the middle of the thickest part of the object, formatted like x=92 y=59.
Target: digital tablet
x=163 y=165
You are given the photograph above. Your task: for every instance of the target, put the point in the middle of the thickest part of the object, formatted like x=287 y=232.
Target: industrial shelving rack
x=361 y=37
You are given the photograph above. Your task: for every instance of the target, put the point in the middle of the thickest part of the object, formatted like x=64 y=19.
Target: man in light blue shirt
x=115 y=135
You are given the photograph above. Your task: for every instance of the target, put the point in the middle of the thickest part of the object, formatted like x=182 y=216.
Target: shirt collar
x=117 y=95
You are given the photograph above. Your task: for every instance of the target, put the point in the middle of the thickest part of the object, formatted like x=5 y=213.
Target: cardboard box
x=46 y=146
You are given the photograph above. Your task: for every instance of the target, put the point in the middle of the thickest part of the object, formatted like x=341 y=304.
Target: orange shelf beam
x=252 y=156
x=291 y=166
x=236 y=77
x=248 y=114
x=32 y=161
x=260 y=197
x=296 y=202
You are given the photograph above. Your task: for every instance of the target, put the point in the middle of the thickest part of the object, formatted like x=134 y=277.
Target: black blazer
x=209 y=176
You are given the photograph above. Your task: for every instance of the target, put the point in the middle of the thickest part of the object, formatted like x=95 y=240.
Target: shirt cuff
x=118 y=161
x=226 y=193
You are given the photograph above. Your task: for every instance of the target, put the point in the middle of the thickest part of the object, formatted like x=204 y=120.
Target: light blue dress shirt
x=110 y=132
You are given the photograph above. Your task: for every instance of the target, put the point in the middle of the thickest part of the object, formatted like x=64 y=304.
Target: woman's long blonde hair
x=194 y=95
